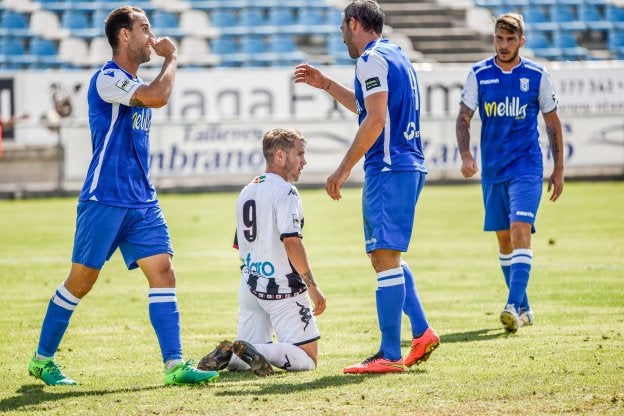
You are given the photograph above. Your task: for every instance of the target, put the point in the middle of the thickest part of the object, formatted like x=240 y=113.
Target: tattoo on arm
x=135 y=102
x=462 y=127
x=551 y=132
x=308 y=279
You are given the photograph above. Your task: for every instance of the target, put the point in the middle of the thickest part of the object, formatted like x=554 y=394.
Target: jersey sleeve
x=289 y=213
x=114 y=86
x=372 y=74
x=547 y=98
x=470 y=94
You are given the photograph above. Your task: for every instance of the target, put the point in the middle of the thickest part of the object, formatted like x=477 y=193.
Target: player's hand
x=555 y=182
x=163 y=46
x=310 y=75
x=469 y=167
x=318 y=299
x=334 y=183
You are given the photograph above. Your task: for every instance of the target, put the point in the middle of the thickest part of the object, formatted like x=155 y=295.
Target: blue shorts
x=388 y=206
x=100 y=229
x=515 y=200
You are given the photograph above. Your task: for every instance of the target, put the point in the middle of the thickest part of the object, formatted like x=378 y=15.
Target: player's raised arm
x=314 y=77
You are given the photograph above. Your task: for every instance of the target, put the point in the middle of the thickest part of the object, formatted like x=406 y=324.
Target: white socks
x=286 y=356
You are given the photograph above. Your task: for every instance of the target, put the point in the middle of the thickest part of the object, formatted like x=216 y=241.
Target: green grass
x=570 y=362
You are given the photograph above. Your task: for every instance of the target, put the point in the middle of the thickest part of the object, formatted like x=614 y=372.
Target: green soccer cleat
x=49 y=372
x=185 y=374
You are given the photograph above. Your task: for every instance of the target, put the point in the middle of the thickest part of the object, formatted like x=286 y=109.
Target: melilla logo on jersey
x=509 y=108
x=262 y=268
x=142 y=120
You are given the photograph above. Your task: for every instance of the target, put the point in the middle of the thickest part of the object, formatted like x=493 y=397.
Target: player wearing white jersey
x=276 y=275
x=387 y=99
x=510 y=91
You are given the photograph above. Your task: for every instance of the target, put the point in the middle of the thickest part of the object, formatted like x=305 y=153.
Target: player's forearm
x=342 y=94
x=462 y=130
x=555 y=140
x=298 y=257
x=159 y=90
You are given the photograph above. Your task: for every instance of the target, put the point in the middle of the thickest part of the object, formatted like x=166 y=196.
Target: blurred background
x=236 y=61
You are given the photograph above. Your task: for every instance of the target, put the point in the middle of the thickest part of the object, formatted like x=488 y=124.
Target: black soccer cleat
x=218 y=359
x=248 y=353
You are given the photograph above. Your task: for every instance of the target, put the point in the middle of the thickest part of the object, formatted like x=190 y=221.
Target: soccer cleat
x=184 y=374
x=422 y=347
x=248 y=353
x=525 y=317
x=49 y=372
x=218 y=359
x=376 y=365
x=509 y=318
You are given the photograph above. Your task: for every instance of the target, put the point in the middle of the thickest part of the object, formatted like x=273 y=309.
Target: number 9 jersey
x=267 y=211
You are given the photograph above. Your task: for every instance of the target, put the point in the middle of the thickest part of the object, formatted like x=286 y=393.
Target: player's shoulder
x=532 y=65
x=483 y=65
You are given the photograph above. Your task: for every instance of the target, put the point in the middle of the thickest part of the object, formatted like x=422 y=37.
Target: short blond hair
x=281 y=138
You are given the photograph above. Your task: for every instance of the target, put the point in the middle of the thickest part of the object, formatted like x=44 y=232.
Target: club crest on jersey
x=524 y=84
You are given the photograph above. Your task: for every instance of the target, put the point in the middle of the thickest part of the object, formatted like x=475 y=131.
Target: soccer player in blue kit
x=387 y=100
x=118 y=206
x=510 y=91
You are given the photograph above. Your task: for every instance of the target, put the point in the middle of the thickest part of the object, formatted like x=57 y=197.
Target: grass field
x=570 y=362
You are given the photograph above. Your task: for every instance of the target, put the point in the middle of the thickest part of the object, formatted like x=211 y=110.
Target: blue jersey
x=384 y=67
x=509 y=103
x=119 y=171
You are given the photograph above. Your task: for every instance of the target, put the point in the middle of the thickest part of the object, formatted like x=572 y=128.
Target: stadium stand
x=252 y=32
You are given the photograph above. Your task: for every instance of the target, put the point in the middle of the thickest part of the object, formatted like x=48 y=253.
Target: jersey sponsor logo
x=525 y=214
x=296 y=222
x=124 y=84
x=262 y=268
x=372 y=83
x=141 y=120
x=489 y=81
x=524 y=84
x=411 y=131
x=508 y=108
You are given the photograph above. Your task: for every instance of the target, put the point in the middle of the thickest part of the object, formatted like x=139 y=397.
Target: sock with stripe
x=390 y=299
x=412 y=307
x=165 y=319
x=286 y=356
x=55 y=323
x=520 y=268
x=505 y=262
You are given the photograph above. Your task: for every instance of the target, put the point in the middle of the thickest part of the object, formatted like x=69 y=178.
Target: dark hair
x=367 y=12
x=511 y=22
x=283 y=139
x=120 y=18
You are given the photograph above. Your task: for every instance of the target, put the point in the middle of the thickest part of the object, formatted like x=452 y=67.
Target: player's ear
x=280 y=157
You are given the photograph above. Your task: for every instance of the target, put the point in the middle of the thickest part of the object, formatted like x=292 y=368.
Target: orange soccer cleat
x=422 y=347
x=376 y=365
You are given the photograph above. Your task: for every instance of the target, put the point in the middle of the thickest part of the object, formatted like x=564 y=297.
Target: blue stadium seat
x=14 y=24
x=285 y=51
x=45 y=53
x=227 y=50
x=615 y=15
x=256 y=51
x=542 y=2
x=566 y=42
x=79 y=25
x=226 y=21
x=166 y=24
x=565 y=18
x=254 y=20
x=536 y=19
x=314 y=19
x=590 y=15
x=13 y=54
x=539 y=44
x=615 y=44
x=338 y=51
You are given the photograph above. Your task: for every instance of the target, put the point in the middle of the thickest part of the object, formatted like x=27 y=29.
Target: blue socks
x=56 y=320
x=519 y=270
x=390 y=299
x=165 y=318
x=412 y=306
x=505 y=262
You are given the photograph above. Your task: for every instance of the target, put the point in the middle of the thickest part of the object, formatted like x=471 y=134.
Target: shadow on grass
x=477 y=335
x=270 y=388
x=34 y=394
